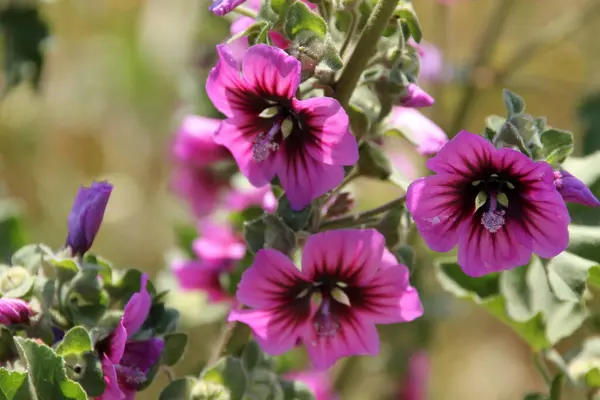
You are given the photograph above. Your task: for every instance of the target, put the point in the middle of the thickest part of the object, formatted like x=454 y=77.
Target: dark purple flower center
x=493 y=197
x=278 y=122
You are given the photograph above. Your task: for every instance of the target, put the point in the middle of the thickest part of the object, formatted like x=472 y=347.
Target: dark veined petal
x=465 y=154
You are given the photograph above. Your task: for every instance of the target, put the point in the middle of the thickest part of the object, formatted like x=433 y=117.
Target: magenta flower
x=432 y=60
x=14 y=311
x=573 y=190
x=317 y=381
x=415 y=97
x=243 y=23
x=198 y=187
x=86 y=216
x=126 y=362
x=218 y=249
x=418 y=129
x=348 y=283
x=222 y=7
x=194 y=142
x=240 y=199
x=498 y=205
x=416 y=381
x=270 y=133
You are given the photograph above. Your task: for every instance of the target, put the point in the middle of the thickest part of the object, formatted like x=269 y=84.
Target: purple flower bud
x=14 y=311
x=573 y=190
x=86 y=216
x=415 y=97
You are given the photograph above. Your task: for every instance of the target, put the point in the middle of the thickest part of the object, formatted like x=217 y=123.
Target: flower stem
x=540 y=365
x=246 y=12
x=361 y=218
x=224 y=337
x=483 y=52
x=351 y=31
x=363 y=51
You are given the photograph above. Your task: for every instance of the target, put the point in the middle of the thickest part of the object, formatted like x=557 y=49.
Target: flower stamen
x=493 y=219
x=133 y=376
x=264 y=143
x=325 y=323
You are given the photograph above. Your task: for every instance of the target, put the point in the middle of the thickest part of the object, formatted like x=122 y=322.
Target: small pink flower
x=194 y=142
x=573 y=190
x=202 y=275
x=14 y=311
x=240 y=199
x=415 y=97
x=306 y=143
x=416 y=382
x=432 y=60
x=198 y=187
x=498 y=205
x=317 y=381
x=419 y=130
x=126 y=362
x=222 y=7
x=348 y=283
x=218 y=243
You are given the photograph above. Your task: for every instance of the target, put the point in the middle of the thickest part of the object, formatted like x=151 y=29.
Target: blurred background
x=120 y=75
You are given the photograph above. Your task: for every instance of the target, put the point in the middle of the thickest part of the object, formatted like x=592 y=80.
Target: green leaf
x=535 y=396
x=407 y=14
x=161 y=320
x=127 y=286
x=300 y=18
x=254 y=234
x=252 y=356
x=30 y=256
x=389 y=226
x=66 y=269
x=175 y=345
x=296 y=390
x=567 y=274
x=278 y=235
x=584 y=241
x=227 y=372
x=102 y=265
x=296 y=220
x=76 y=341
x=557 y=145
x=12 y=234
x=179 y=389
x=373 y=162
x=16 y=282
x=8 y=350
x=514 y=103
x=86 y=369
x=263 y=384
x=14 y=385
x=46 y=372
x=509 y=134
x=24 y=30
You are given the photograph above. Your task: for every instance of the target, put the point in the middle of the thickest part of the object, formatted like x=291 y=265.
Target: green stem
x=246 y=12
x=365 y=48
x=540 y=365
x=224 y=337
x=361 y=218
x=483 y=52
x=442 y=33
x=324 y=10
x=351 y=31
x=550 y=35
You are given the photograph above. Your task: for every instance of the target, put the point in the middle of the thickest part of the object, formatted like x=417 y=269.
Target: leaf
x=24 y=30
x=30 y=256
x=227 y=372
x=86 y=369
x=16 y=282
x=568 y=274
x=263 y=384
x=278 y=235
x=296 y=220
x=514 y=103
x=127 y=286
x=373 y=162
x=76 y=341
x=14 y=385
x=102 y=265
x=254 y=234
x=389 y=226
x=300 y=18
x=65 y=269
x=296 y=390
x=407 y=14
x=175 y=345
x=12 y=234
x=557 y=145
x=179 y=389
x=535 y=396
x=584 y=241
x=46 y=372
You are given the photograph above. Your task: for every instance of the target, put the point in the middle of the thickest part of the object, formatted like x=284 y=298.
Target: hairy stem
x=483 y=52
x=351 y=31
x=363 y=51
x=246 y=12
x=361 y=218
x=223 y=341
x=540 y=365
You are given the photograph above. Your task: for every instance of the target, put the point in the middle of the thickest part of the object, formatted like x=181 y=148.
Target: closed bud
x=14 y=311
x=573 y=190
x=86 y=216
x=415 y=97
x=338 y=205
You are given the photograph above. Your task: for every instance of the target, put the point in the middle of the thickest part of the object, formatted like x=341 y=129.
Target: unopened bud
x=14 y=311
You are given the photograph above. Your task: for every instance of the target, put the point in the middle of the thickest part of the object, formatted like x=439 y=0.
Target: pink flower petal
x=415 y=97
x=218 y=243
x=331 y=141
x=351 y=252
x=194 y=142
x=137 y=308
x=304 y=179
x=355 y=337
x=116 y=344
x=238 y=134
x=317 y=381
x=271 y=71
x=462 y=155
x=267 y=283
x=276 y=331
x=419 y=129
x=197 y=187
x=201 y=275
x=434 y=203
x=112 y=391
x=224 y=81
x=481 y=252
x=222 y=7
x=389 y=298
x=573 y=190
